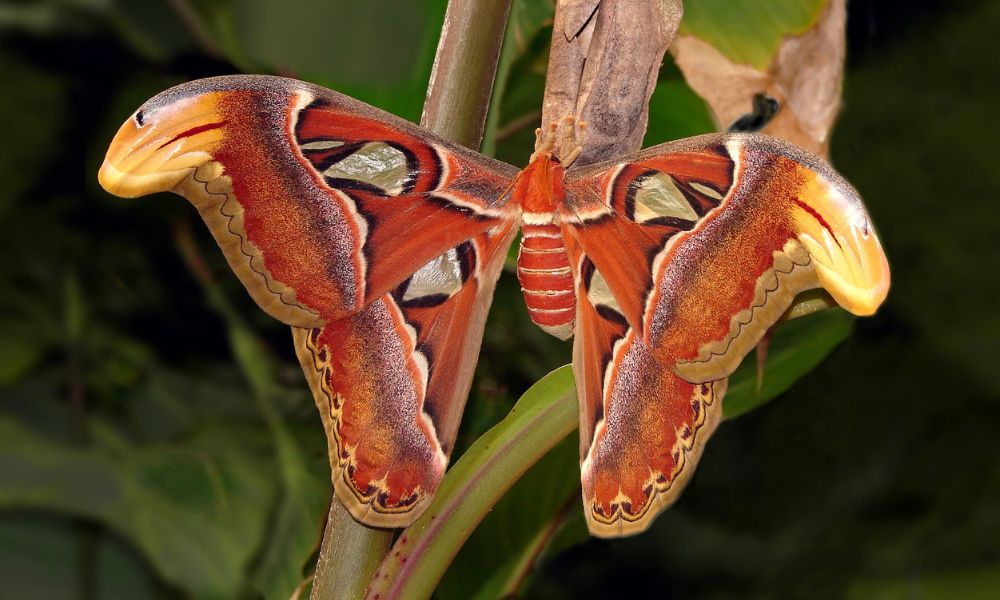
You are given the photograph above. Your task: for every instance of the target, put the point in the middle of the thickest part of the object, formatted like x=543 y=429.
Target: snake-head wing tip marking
x=368 y=512
x=162 y=144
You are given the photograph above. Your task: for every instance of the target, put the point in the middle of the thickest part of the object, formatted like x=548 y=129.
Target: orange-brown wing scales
x=416 y=198
x=789 y=224
x=391 y=382
x=450 y=331
x=370 y=385
x=599 y=327
x=320 y=203
x=623 y=252
x=714 y=272
x=624 y=216
x=728 y=230
x=287 y=239
x=399 y=242
x=648 y=442
x=641 y=426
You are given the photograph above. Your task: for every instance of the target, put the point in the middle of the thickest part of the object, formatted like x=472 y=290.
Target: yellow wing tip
x=159 y=152
x=111 y=179
x=126 y=185
x=857 y=275
x=834 y=228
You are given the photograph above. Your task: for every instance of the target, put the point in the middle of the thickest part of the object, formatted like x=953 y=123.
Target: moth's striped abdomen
x=546 y=280
x=542 y=264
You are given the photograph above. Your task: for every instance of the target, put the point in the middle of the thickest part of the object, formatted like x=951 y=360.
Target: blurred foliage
x=157 y=437
x=499 y=557
x=749 y=32
x=544 y=416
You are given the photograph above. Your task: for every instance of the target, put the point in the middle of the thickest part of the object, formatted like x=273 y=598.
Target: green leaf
x=675 y=112
x=196 y=512
x=495 y=560
x=295 y=527
x=797 y=347
x=303 y=495
x=304 y=489
x=543 y=417
x=40 y=557
x=749 y=32
x=383 y=58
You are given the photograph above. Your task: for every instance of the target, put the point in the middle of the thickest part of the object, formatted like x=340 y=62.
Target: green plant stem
x=348 y=557
x=545 y=415
x=351 y=553
x=458 y=94
x=458 y=97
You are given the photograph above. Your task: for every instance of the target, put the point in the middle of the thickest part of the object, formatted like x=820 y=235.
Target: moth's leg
x=570 y=140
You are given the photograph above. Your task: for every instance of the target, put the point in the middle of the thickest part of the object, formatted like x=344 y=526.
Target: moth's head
x=162 y=142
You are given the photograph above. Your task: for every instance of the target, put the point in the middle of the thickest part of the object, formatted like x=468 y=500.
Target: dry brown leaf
x=572 y=31
x=603 y=67
x=805 y=76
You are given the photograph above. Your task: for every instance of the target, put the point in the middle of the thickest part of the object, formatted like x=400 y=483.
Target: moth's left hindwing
x=378 y=239
x=684 y=256
x=391 y=382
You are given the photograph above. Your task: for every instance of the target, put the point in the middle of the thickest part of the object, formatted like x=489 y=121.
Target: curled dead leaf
x=805 y=76
x=601 y=71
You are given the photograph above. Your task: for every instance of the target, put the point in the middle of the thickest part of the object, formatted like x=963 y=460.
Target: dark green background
x=877 y=475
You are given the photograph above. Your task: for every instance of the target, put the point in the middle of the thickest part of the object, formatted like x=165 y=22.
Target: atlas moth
x=380 y=244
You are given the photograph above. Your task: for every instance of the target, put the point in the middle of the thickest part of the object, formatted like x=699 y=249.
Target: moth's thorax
x=539 y=188
x=542 y=264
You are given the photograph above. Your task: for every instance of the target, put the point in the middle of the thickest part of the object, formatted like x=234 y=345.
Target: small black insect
x=764 y=110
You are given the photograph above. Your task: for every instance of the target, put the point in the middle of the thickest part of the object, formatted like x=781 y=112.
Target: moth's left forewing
x=320 y=203
x=684 y=256
x=380 y=242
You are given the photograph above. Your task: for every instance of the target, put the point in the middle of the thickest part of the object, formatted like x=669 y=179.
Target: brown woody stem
x=603 y=67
